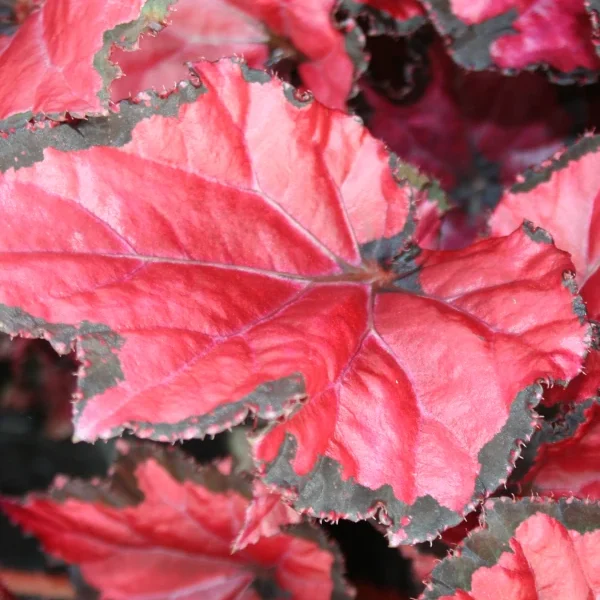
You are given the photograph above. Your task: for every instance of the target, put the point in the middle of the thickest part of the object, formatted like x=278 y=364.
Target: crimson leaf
x=563 y=197
x=4 y=593
x=532 y=548
x=58 y=60
x=209 y=29
x=514 y=35
x=466 y=128
x=161 y=527
x=220 y=254
x=568 y=458
x=266 y=514
x=393 y=17
x=263 y=32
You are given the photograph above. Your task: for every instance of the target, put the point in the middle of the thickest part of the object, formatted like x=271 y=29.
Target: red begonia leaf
x=266 y=514
x=223 y=255
x=4 y=593
x=530 y=549
x=563 y=197
x=567 y=460
x=582 y=387
x=58 y=60
x=417 y=497
x=160 y=527
x=459 y=229
x=455 y=535
x=329 y=57
x=429 y=214
x=512 y=35
x=450 y=229
x=207 y=29
x=593 y=8
x=467 y=130
x=393 y=17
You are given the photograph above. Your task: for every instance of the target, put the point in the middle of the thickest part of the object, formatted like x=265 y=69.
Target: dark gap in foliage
x=207 y=449
x=369 y=559
x=399 y=67
x=35 y=393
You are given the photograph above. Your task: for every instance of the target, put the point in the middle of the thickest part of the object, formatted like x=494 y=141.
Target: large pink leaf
x=563 y=197
x=160 y=528
x=519 y=34
x=58 y=60
x=530 y=550
x=303 y=31
x=472 y=130
x=221 y=254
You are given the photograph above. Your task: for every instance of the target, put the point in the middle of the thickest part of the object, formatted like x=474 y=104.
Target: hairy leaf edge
x=502 y=516
x=469 y=45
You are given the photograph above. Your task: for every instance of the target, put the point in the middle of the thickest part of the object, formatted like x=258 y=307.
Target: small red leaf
x=57 y=61
x=520 y=34
x=429 y=214
x=271 y=29
x=229 y=255
x=265 y=516
x=530 y=549
x=162 y=528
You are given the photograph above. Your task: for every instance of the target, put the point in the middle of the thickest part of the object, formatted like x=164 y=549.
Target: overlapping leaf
x=532 y=549
x=266 y=515
x=328 y=57
x=233 y=249
x=563 y=197
x=394 y=17
x=4 y=593
x=513 y=35
x=567 y=461
x=472 y=131
x=162 y=528
x=58 y=60
x=440 y=227
x=207 y=29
